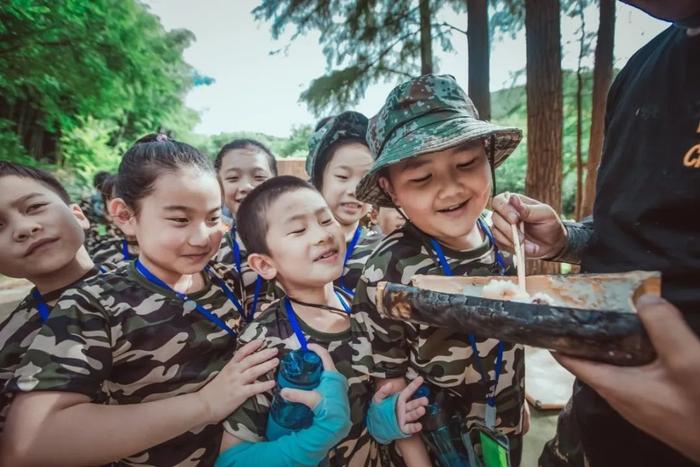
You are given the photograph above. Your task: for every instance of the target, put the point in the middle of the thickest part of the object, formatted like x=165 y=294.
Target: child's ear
x=388 y=188
x=123 y=216
x=80 y=216
x=263 y=265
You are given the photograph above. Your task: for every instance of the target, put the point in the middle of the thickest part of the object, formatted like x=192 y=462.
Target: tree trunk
x=544 y=107
x=602 y=77
x=479 y=52
x=426 y=38
x=579 y=114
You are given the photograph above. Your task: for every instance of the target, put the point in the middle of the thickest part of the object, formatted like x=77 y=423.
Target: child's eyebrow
x=414 y=164
x=298 y=217
x=188 y=209
x=26 y=198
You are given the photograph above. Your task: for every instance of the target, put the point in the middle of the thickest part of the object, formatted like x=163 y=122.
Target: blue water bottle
x=299 y=369
x=436 y=430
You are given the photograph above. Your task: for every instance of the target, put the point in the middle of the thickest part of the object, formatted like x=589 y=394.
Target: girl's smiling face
x=178 y=224
x=347 y=165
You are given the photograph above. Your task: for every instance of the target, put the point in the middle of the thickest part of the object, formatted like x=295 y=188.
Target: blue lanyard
x=203 y=311
x=258 y=280
x=348 y=253
x=291 y=316
x=447 y=270
x=41 y=305
x=125 y=250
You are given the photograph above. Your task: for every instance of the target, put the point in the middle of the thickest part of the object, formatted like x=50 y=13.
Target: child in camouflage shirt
x=435 y=161
x=41 y=237
x=293 y=238
x=113 y=249
x=241 y=165
x=94 y=209
x=338 y=158
x=137 y=366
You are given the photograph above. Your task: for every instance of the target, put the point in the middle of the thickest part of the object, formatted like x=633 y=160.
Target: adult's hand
x=663 y=397
x=545 y=235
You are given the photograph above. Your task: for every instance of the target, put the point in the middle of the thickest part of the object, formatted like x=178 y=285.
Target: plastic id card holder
x=495 y=447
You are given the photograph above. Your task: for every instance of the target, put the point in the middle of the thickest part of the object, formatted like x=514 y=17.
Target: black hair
x=322 y=122
x=327 y=155
x=251 y=218
x=246 y=143
x=149 y=157
x=107 y=188
x=99 y=179
x=41 y=176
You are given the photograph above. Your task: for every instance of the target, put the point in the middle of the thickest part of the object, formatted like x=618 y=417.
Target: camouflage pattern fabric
x=442 y=356
x=17 y=332
x=100 y=229
x=120 y=339
x=422 y=115
x=352 y=271
x=109 y=253
x=225 y=256
x=351 y=354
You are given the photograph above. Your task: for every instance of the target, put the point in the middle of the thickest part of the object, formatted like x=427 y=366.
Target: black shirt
x=647 y=214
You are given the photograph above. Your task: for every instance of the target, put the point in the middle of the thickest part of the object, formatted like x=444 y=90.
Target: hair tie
x=161 y=137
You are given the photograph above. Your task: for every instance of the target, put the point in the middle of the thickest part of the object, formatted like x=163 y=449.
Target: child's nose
x=25 y=230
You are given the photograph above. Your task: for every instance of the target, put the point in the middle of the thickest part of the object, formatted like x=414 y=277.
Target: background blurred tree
x=364 y=42
x=71 y=68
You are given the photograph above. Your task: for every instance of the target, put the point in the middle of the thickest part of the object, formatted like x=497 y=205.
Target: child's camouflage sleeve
x=390 y=339
x=71 y=353
x=249 y=421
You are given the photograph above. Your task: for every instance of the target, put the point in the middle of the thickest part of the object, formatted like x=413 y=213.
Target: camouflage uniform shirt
x=442 y=356
x=110 y=252
x=352 y=271
x=100 y=229
x=350 y=352
x=120 y=339
x=16 y=335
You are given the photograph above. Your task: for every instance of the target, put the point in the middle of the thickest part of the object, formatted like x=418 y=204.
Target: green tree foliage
x=509 y=108
x=295 y=145
x=71 y=68
x=364 y=42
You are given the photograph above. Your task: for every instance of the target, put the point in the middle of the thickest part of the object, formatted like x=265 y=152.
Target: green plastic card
x=493 y=452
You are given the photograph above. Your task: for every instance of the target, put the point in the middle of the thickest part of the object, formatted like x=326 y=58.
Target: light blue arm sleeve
x=382 y=423
x=306 y=447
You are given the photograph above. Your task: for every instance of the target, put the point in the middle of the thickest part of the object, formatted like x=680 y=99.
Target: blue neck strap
x=348 y=254
x=200 y=309
x=237 y=261
x=125 y=250
x=291 y=316
x=41 y=305
x=447 y=270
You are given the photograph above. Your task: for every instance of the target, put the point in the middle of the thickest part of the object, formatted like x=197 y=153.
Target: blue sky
x=256 y=91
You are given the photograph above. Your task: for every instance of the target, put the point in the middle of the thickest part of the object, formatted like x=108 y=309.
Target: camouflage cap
x=347 y=125
x=424 y=115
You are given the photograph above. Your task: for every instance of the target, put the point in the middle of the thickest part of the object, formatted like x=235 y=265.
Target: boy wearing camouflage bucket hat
x=435 y=161
x=339 y=157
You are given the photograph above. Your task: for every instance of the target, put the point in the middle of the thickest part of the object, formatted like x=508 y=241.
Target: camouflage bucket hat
x=347 y=125
x=424 y=115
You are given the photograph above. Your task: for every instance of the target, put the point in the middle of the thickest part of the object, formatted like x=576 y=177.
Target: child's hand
x=545 y=235
x=407 y=411
x=237 y=381
x=310 y=398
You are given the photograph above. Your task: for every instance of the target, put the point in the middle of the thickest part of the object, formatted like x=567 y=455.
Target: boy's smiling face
x=305 y=242
x=39 y=233
x=347 y=166
x=444 y=192
x=241 y=171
